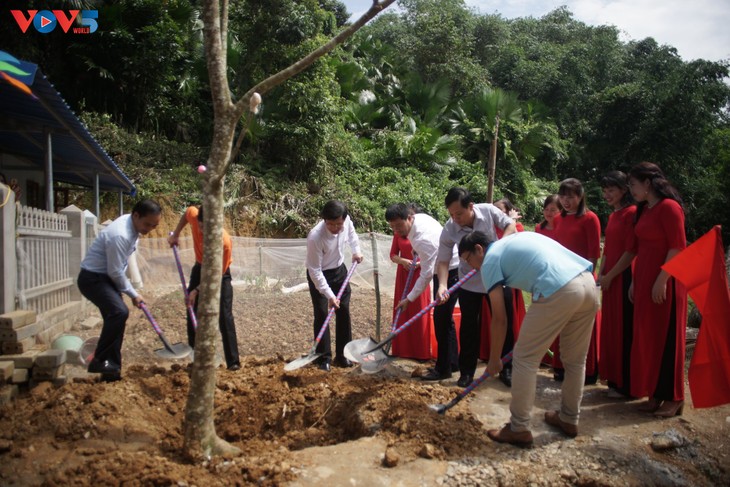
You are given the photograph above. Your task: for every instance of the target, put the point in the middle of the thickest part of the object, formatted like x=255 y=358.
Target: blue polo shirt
x=531 y=262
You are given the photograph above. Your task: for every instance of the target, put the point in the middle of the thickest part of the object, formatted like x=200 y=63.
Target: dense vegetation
x=403 y=112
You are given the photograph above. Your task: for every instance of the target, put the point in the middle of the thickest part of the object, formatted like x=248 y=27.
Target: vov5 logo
x=45 y=21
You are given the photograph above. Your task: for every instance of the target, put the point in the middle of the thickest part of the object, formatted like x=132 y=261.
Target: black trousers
x=226 y=324
x=343 y=331
x=443 y=322
x=100 y=290
x=471 y=326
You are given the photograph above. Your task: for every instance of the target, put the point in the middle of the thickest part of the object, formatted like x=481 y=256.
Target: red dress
x=617 y=310
x=548 y=232
x=659 y=329
x=415 y=342
x=582 y=235
x=514 y=318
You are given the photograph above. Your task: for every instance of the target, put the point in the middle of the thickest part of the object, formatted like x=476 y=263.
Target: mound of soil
x=307 y=426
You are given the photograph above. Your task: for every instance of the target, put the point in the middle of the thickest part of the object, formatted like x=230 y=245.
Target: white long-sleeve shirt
x=110 y=251
x=486 y=216
x=424 y=236
x=326 y=251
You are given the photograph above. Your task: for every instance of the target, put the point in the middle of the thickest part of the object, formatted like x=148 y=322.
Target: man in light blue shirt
x=103 y=280
x=564 y=302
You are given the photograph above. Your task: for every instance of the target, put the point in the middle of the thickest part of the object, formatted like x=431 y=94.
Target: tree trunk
x=200 y=438
x=492 y=167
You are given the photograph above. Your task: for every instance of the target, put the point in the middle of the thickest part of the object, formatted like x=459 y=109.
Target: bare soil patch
x=307 y=427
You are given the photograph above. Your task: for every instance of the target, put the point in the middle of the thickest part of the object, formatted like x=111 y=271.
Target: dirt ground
x=309 y=427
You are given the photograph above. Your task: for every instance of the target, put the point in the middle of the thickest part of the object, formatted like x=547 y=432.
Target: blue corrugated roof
x=77 y=156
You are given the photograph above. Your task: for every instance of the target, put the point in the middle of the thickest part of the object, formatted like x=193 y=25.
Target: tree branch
x=215 y=58
x=296 y=68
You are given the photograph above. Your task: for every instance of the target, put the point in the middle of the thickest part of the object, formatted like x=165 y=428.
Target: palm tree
x=478 y=120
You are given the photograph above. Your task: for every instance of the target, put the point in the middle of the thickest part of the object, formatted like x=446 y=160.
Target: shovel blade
x=177 y=351
x=354 y=349
x=370 y=363
x=302 y=361
x=374 y=365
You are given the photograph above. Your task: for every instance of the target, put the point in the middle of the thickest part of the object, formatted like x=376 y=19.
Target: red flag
x=701 y=268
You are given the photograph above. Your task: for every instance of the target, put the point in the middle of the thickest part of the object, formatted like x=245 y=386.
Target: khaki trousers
x=568 y=313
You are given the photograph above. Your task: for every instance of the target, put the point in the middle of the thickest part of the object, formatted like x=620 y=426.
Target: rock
x=391 y=458
x=668 y=440
x=5 y=446
x=428 y=451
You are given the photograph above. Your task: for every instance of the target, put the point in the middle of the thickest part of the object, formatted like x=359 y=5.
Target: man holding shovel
x=564 y=302
x=424 y=233
x=326 y=271
x=103 y=280
x=194 y=216
x=465 y=217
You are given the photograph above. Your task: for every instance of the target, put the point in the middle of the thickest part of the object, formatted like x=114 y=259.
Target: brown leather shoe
x=523 y=439
x=553 y=419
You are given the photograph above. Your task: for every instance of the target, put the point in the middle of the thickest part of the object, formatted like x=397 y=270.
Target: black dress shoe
x=434 y=374
x=506 y=377
x=324 y=365
x=465 y=380
x=105 y=367
x=341 y=362
x=111 y=377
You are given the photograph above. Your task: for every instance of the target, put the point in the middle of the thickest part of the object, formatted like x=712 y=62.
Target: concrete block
x=45 y=374
x=60 y=380
x=24 y=360
x=21 y=333
x=50 y=359
x=24 y=345
x=6 y=371
x=91 y=323
x=16 y=319
x=20 y=376
x=8 y=392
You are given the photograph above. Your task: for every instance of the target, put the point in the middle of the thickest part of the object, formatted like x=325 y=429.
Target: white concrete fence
x=41 y=254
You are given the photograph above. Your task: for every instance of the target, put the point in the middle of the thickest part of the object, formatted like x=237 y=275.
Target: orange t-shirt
x=191 y=216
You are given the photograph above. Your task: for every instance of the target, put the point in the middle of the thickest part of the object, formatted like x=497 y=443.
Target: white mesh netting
x=262 y=265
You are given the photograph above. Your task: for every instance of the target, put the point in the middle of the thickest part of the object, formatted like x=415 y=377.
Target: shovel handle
x=332 y=309
x=156 y=327
x=418 y=315
x=406 y=289
x=193 y=318
x=475 y=383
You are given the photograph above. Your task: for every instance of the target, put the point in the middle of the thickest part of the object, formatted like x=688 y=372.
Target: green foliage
x=160 y=168
x=403 y=112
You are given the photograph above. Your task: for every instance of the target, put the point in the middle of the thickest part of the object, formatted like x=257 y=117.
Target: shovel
x=376 y=362
x=191 y=312
x=312 y=355
x=442 y=408
x=367 y=351
x=176 y=351
x=406 y=289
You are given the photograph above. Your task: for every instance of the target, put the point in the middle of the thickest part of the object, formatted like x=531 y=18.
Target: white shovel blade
x=302 y=361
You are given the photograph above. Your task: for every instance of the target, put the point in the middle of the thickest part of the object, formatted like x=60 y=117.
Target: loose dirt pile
x=307 y=427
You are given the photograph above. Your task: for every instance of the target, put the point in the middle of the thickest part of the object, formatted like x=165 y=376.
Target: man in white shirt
x=103 y=280
x=466 y=217
x=424 y=233
x=326 y=272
